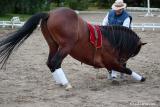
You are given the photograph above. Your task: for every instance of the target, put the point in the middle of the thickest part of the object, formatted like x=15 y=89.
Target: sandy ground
x=27 y=82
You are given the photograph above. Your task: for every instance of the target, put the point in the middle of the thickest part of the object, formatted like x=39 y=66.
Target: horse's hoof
x=143 y=79
x=68 y=87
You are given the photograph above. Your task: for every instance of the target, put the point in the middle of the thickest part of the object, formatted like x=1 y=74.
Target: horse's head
x=123 y=59
x=124 y=40
x=138 y=48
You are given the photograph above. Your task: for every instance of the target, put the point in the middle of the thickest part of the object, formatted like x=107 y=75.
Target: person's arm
x=126 y=22
x=105 y=20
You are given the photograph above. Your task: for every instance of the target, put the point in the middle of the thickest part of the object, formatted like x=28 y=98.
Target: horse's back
x=62 y=17
x=62 y=23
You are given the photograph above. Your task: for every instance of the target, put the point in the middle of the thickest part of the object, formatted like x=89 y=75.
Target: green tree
x=78 y=4
x=5 y=6
x=29 y=6
x=22 y=6
x=105 y=3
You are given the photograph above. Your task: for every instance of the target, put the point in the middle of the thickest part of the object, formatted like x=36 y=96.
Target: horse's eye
x=132 y=55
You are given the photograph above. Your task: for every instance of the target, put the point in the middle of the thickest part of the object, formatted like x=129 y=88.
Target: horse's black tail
x=14 y=40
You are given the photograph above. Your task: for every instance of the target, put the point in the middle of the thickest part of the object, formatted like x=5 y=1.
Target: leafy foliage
x=78 y=4
x=22 y=6
x=33 y=6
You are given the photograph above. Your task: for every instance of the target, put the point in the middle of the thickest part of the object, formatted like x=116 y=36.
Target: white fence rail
x=9 y=24
x=141 y=26
x=144 y=26
x=16 y=23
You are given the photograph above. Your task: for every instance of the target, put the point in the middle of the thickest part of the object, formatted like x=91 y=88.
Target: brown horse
x=67 y=34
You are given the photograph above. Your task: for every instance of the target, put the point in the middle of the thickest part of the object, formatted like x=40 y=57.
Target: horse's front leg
x=113 y=74
x=55 y=57
x=135 y=75
x=125 y=70
x=122 y=74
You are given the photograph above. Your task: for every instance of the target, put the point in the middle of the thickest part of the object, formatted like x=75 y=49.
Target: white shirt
x=126 y=22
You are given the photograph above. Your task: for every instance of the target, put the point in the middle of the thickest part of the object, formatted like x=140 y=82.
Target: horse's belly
x=88 y=57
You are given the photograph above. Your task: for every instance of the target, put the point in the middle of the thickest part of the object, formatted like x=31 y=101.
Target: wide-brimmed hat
x=119 y=4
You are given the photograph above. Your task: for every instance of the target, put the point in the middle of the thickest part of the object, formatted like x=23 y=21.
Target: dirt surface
x=27 y=82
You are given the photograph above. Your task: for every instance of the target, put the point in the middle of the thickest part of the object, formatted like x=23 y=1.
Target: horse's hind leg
x=66 y=44
x=57 y=72
x=55 y=66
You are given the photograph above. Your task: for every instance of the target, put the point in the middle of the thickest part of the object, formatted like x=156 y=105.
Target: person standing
x=117 y=16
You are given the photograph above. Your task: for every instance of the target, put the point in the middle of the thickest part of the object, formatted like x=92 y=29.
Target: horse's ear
x=143 y=44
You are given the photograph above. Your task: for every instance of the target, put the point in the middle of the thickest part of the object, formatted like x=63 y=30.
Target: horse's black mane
x=121 y=38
